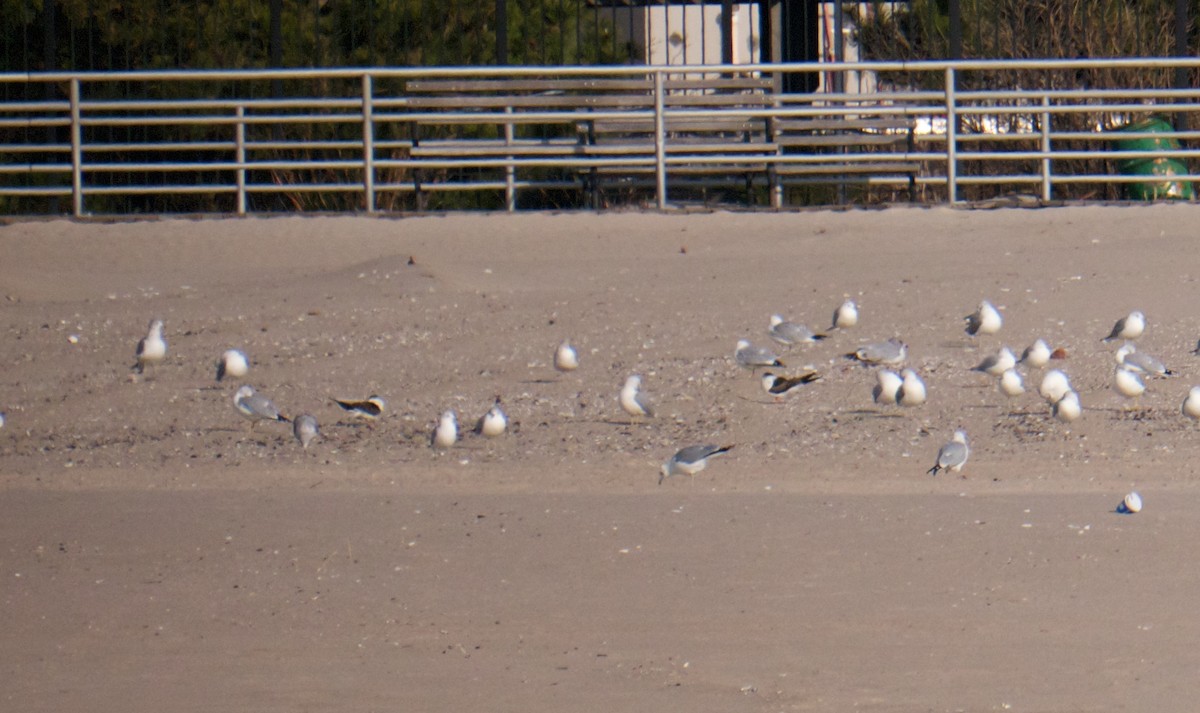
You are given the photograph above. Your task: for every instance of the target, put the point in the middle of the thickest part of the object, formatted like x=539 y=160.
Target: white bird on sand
x=790 y=333
x=888 y=387
x=493 y=423
x=891 y=352
x=369 y=408
x=1128 y=327
x=1054 y=385
x=953 y=455
x=846 y=315
x=1068 y=408
x=779 y=386
x=233 y=363
x=633 y=401
x=445 y=434
x=751 y=357
x=689 y=461
x=152 y=348
x=1191 y=404
x=998 y=363
x=1037 y=354
x=1127 y=383
x=256 y=407
x=305 y=429
x=985 y=320
x=1 y=419
x=1010 y=383
x=1128 y=356
x=565 y=357
x=912 y=389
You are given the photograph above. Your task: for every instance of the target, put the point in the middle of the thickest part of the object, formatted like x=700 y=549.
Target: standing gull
x=780 y=386
x=493 y=423
x=445 y=434
x=1127 y=383
x=152 y=348
x=998 y=363
x=1068 y=408
x=233 y=363
x=985 y=320
x=1055 y=385
x=952 y=456
x=912 y=389
x=565 y=357
x=256 y=407
x=1191 y=404
x=790 y=333
x=1036 y=354
x=751 y=357
x=891 y=352
x=1010 y=383
x=846 y=315
x=633 y=401
x=689 y=461
x=1128 y=327
x=887 y=388
x=305 y=429
x=1129 y=357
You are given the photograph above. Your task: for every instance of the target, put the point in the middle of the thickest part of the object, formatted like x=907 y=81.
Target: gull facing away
x=1191 y=404
x=1055 y=385
x=565 y=357
x=1128 y=356
x=256 y=407
x=233 y=363
x=305 y=429
x=985 y=320
x=952 y=456
x=1127 y=383
x=1037 y=354
x=1010 y=383
x=888 y=387
x=846 y=315
x=790 y=334
x=1068 y=408
x=633 y=401
x=369 y=408
x=1128 y=327
x=891 y=352
x=751 y=357
x=152 y=348
x=445 y=434
x=998 y=363
x=780 y=386
x=493 y=423
x=912 y=389
x=689 y=461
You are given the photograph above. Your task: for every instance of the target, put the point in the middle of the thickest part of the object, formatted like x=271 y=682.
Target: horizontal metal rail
x=360 y=134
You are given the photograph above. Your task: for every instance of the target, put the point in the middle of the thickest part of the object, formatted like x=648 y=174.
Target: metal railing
x=253 y=141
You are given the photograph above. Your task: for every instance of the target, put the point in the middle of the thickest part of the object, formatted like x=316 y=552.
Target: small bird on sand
x=633 y=401
x=1055 y=385
x=912 y=389
x=445 y=434
x=1068 y=408
x=370 y=408
x=233 y=363
x=493 y=423
x=1010 y=383
x=891 y=352
x=1127 y=383
x=953 y=455
x=1129 y=357
x=152 y=348
x=779 y=386
x=789 y=334
x=565 y=357
x=846 y=315
x=255 y=407
x=887 y=387
x=998 y=363
x=751 y=357
x=689 y=461
x=985 y=320
x=1130 y=326
x=305 y=429
x=1036 y=354
x=1191 y=404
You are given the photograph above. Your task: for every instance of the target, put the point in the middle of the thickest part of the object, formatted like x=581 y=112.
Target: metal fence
x=343 y=140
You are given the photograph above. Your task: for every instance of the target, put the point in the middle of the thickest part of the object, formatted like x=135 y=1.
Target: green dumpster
x=1160 y=168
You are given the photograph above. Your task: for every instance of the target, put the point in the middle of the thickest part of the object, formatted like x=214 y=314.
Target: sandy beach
x=160 y=554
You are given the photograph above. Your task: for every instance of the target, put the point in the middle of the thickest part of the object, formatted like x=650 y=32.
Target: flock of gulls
x=895 y=385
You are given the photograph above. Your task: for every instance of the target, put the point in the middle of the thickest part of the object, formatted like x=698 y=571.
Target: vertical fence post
x=76 y=151
x=239 y=143
x=660 y=139
x=951 y=139
x=1047 y=168
x=368 y=139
